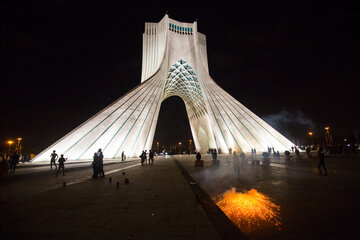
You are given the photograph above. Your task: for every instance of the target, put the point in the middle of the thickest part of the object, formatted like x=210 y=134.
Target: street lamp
x=18 y=145
x=157 y=147
x=328 y=138
x=190 y=146
x=10 y=142
x=180 y=147
x=311 y=136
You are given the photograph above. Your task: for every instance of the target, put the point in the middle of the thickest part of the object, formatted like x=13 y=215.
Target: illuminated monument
x=174 y=63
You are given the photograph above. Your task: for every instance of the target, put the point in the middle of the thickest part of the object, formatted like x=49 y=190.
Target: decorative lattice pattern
x=182 y=82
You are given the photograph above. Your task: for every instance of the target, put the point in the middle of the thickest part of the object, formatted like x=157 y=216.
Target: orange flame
x=249 y=211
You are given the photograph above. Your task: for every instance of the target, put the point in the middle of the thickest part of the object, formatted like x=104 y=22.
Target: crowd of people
x=147 y=158
x=9 y=162
x=97 y=163
x=8 y=165
x=240 y=161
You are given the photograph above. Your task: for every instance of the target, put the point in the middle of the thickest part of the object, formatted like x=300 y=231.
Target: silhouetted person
x=214 y=155
x=308 y=151
x=151 y=157
x=297 y=152
x=266 y=159
x=53 y=159
x=100 y=157
x=61 y=165
x=145 y=156
x=95 y=165
x=198 y=156
x=4 y=169
x=142 y=157
x=14 y=160
x=287 y=155
x=321 y=156
x=24 y=157
x=236 y=162
x=242 y=159
x=122 y=156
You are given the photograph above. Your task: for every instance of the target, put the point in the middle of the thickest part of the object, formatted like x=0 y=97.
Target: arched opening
x=173 y=133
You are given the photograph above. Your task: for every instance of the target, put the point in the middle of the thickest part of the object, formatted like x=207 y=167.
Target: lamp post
x=10 y=142
x=18 y=145
x=190 y=146
x=180 y=147
x=311 y=136
x=328 y=138
x=157 y=147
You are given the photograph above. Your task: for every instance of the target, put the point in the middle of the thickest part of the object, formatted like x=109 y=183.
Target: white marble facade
x=174 y=64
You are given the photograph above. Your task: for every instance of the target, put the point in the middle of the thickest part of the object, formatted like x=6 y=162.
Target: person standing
x=266 y=159
x=100 y=157
x=14 y=160
x=122 y=156
x=145 y=157
x=308 y=151
x=4 y=169
x=53 y=159
x=95 y=166
x=236 y=162
x=61 y=165
x=198 y=156
x=151 y=157
x=287 y=155
x=321 y=156
x=142 y=157
x=214 y=155
x=243 y=159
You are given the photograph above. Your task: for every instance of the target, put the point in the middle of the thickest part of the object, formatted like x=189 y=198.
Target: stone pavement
x=157 y=204
x=171 y=200
x=311 y=206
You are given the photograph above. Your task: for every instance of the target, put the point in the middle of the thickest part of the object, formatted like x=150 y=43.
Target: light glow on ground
x=249 y=211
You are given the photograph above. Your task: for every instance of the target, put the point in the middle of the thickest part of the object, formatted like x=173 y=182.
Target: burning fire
x=249 y=210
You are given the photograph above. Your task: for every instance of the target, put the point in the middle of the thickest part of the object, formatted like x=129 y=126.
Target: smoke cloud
x=290 y=124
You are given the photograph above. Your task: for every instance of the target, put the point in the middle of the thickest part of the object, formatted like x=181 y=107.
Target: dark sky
x=294 y=63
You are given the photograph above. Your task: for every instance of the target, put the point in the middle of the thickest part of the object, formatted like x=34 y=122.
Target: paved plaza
x=156 y=204
x=171 y=200
x=311 y=206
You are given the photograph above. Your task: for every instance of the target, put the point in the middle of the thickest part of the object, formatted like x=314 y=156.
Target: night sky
x=293 y=63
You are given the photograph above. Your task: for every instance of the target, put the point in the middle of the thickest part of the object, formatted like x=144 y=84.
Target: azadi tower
x=174 y=63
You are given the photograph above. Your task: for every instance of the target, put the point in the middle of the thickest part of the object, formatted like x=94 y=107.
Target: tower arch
x=174 y=64
x=183 y=82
